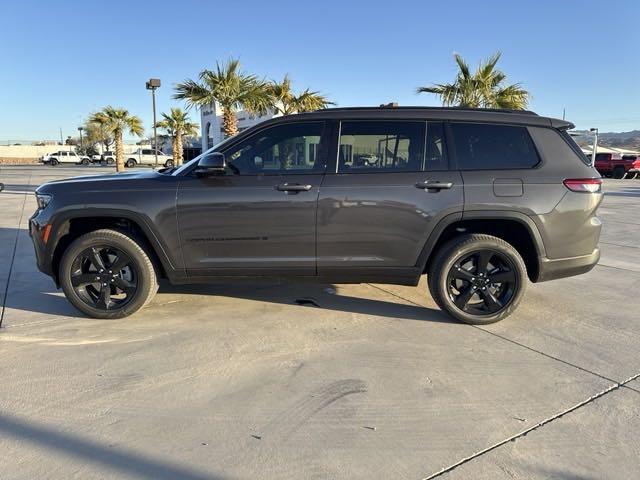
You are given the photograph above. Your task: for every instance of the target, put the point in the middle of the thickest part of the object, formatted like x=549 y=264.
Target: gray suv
x=479 y=200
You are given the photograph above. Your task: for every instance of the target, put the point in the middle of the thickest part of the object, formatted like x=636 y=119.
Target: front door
x=392 y=184
x=260 y=216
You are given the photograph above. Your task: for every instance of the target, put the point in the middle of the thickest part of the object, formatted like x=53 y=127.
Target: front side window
x=291 y=148
x=381 y=146
x=493 y=147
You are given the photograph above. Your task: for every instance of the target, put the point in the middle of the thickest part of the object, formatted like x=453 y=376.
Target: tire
x=110 y=161
x=169 y=163
x=84 y=162
x=447 y=264
x=130 y=163
x=54 y=162
x=139 y=268
x=618 y=172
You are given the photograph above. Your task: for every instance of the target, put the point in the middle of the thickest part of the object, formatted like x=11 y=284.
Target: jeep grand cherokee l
x=481 y=201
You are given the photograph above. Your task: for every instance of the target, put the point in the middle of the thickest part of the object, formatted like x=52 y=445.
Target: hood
x=98 y=182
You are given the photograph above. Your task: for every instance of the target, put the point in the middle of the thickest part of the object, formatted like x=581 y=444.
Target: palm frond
x=485 y=88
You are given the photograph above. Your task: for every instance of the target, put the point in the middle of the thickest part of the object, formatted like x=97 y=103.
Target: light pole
x=152 y=84
x=80 y=130
x=595 y=146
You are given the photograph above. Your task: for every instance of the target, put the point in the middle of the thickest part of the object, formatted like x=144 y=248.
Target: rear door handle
x=293 y=187
x=434 y=185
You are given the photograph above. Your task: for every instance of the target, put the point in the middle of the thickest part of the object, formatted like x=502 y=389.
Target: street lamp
x=595 y=145
x=80 y=130
x=152 y=85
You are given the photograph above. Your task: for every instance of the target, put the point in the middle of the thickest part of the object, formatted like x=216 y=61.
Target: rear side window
x=381 y=146
x=493 y=147
x=584 y=158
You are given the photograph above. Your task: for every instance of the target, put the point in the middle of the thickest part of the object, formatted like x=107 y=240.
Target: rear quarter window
x=493 y=147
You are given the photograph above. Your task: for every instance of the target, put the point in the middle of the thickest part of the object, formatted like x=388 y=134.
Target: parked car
x=65 y=156
x=147 y=156
x=105 y=158
x=480 y=200
x=614 y=164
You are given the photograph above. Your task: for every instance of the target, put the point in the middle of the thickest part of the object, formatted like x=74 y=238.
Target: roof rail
x=417 y=107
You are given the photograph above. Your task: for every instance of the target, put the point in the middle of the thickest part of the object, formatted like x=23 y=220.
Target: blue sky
x=61 y=60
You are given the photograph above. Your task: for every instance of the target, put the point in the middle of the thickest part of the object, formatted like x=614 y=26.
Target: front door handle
x=293 y=187
x=434 y=186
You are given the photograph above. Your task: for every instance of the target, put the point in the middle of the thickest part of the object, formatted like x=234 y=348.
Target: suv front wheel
x=477 y=279
x=106 y=274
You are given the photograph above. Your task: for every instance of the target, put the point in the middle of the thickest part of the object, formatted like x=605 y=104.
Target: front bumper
x=552 y=269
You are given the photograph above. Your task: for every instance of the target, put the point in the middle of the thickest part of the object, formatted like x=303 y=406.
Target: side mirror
x=211 y=164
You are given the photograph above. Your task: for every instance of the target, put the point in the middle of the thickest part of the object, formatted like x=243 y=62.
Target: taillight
x=584 y=185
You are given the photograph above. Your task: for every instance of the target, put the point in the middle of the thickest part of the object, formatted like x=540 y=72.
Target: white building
x=211 y=124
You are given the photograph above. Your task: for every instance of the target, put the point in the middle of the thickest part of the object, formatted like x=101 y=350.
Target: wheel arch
x=515 y=228
x=72 y=224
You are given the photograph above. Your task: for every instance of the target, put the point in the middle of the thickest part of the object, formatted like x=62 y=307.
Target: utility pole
x=595 y=146
x=152 y=85
x=80 y=130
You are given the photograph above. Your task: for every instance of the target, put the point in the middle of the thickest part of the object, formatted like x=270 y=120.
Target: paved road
x=229 y=382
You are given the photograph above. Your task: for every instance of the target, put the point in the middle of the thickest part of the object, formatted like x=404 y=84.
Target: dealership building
x=211 y=124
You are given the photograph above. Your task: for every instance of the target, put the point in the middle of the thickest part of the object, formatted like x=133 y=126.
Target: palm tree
x=231 y=88
x=285 y=102
x=177 y=124
x=96 y=134
x=483 y=89
x=115 y=121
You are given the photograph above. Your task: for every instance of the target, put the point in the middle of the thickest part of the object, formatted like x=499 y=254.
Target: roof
x=521 y=117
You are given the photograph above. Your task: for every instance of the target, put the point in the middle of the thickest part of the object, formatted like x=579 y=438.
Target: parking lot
x=320 y=381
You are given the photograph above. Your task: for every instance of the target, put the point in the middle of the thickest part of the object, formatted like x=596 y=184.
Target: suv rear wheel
x=106 y=274
x=477 y=279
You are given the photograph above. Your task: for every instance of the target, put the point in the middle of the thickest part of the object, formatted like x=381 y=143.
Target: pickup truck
x=617 y=165
x=147 y=156
x=63 y=156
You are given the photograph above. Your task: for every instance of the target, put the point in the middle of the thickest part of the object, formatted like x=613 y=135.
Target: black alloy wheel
x=477 y=278
x=107 y=274
x=104 y=277
x=482 y=283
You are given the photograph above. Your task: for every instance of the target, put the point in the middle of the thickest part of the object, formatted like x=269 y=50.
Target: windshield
x=187 y=165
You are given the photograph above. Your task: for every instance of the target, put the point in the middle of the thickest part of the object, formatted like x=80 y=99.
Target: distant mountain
x=628 y=140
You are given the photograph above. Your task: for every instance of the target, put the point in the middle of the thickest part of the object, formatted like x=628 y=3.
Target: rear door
x=389 y=187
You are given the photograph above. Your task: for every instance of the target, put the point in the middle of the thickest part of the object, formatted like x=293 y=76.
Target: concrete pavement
x=254 y=381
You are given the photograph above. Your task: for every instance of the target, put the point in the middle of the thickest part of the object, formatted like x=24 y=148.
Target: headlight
x=43 y=200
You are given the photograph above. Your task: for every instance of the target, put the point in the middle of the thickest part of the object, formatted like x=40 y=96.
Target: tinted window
x=292 y=148
x=488 y=147
x=147 y=152
x=380 y=146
